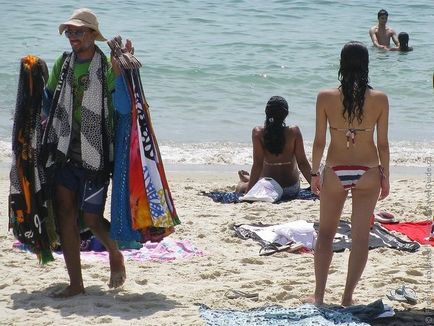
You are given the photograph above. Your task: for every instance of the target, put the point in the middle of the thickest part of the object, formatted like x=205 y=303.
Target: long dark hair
x=274 y=133
x=403 y=41
x=353 y=75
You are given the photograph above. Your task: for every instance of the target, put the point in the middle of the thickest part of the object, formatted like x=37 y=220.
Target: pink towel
x=164 y=251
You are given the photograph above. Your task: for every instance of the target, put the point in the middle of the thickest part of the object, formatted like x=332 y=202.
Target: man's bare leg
x=66 y=215
x=101 y=228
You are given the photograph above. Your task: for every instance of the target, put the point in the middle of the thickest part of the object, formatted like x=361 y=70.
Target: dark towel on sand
x=378 y=237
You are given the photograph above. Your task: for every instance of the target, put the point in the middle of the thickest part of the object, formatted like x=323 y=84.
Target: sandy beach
x=167 y=293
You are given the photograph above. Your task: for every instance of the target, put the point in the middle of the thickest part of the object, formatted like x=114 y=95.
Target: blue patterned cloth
x=305 y=315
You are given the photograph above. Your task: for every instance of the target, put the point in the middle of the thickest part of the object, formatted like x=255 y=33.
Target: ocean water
x=210 y=66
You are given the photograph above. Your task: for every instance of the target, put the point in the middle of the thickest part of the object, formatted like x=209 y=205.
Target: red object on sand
x=416 y=231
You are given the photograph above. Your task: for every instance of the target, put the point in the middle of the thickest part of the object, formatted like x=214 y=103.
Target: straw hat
x=83 y=18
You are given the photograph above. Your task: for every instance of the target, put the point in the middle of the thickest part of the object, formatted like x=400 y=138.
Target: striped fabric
x=349 y=174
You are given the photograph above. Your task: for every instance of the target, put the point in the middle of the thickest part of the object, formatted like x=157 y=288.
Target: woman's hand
x=385 y=188
x=315 y=184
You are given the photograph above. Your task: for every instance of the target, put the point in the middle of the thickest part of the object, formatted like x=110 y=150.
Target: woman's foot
x=313 y=300
x=68 y=292
x=244 y=176
x=348 y=301
x=117 y=270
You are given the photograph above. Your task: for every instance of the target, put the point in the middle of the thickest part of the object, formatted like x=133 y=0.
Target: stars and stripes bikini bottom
x=349 y=174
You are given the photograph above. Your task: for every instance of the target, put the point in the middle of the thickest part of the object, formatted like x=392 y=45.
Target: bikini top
x=350 y=133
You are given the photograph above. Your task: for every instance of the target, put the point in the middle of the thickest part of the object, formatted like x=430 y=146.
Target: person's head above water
x=403 y=39
x=382 y=12
x=354 y=77
x=276 y=111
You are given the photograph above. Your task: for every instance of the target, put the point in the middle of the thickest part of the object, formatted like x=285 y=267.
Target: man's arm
x=394 y=37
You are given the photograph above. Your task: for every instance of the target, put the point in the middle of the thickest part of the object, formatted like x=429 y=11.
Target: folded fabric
x=416 y=231
x=296 y=231
x=266 y=189
x=233 y=197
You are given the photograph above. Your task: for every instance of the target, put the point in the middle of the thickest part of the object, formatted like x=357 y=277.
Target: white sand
x=166 y=293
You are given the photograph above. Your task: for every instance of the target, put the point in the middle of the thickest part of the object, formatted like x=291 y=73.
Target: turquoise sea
x=210 y=66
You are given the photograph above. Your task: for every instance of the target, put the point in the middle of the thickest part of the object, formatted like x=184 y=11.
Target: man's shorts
x=91 y=192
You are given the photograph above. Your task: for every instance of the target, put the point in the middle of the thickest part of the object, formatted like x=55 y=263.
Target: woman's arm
x=258 y=157
x=383 y=143
x=319 y=140
x=300 y=155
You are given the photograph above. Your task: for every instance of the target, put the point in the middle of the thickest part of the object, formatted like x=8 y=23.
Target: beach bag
x=266 y=189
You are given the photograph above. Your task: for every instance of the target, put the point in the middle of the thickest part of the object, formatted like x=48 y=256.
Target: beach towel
x=306 y=314
x=225 y=197
x=378 y=237
x=408 y=317
x=30 y=215
x=265 y=234
x=166 y=250
x=416 y=231
x=141 y=198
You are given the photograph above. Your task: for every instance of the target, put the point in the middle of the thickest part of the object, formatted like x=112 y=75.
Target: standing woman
x=354 y=161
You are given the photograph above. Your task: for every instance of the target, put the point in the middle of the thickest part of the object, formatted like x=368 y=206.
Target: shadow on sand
x=96 y=302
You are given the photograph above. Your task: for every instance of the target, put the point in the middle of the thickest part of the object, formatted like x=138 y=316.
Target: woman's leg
x=364 y=198
x=332 y=199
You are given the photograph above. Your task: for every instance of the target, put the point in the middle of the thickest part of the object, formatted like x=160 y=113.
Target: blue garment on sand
x=234 y=197
x=307 y=314
x=120 y=204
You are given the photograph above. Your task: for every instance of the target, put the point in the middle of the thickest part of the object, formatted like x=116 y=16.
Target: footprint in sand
x=253 y=261
x=414 y=272
x=212 y=276
x=142 y=282
x=392 y=271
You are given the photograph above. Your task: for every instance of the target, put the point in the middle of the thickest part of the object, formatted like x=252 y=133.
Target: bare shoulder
x=294 y=130
x=257 y=131
x=377 y=95
x=390 y=30
x=327 y=93
x=378 y=98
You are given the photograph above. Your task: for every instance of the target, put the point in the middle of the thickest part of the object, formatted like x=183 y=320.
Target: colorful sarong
x=142 y=205
x=29 y=208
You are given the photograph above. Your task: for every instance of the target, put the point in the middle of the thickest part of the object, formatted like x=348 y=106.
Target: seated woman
x=278 y=152
x=403 y=43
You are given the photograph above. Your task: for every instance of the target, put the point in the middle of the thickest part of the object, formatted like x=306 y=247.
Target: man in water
x=381 y=33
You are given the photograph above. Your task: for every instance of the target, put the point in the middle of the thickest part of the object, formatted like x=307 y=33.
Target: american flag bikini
x=349 y=174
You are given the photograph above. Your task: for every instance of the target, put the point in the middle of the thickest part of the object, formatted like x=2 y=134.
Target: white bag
x=266 y=189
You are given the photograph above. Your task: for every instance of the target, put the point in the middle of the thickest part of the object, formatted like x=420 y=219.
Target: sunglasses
x=75 y=34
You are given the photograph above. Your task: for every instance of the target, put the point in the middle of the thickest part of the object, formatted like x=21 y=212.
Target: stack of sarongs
x=142 y=207
x=30 y=211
